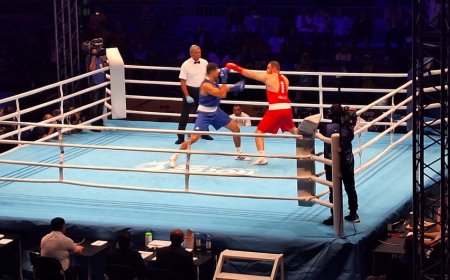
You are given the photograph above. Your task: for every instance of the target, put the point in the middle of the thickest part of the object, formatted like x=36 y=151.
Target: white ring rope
x=111 y=90
x=106 y=101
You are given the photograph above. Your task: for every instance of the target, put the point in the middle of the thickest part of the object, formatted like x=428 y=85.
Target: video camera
x=97 y=43
x=346 y=116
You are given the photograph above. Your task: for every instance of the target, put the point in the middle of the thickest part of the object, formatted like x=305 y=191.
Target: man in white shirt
x=238 y=114
x=192 y=74
x=57 y=245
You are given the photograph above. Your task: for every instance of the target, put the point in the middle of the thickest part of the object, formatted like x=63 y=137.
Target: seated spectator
x=124 y=255
x=175 y=258
x=237 y=112
x=57 y=245
x=343 y=58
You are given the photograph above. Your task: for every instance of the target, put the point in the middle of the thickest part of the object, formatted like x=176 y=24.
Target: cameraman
x=96 y=59
x=342 y=121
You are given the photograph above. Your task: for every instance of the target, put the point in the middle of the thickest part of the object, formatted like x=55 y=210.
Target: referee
x=192 y=74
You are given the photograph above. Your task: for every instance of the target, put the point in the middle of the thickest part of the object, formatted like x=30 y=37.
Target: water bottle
x=198 y=242
x=148 y=238
x=208 y=243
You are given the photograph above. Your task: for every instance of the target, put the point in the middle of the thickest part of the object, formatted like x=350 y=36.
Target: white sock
x=238 y=149
x=261 y=154
x=174 y=156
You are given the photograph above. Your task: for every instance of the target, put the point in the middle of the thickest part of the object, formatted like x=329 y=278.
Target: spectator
x=57 y=245
x=322 y=30
x=362 y=31
x=124 y=255
x=343 y=58
x=342 y=26
x=304 y=25
x=237 y=112
x=393 y=25
x=306 y=64
x=367 y=67
x=276 y=42
x=175 y=258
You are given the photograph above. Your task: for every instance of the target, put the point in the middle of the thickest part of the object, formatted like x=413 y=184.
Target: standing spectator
x=393 y=25
x=237 y=112
x=304 y=25
x=342 y=26
x=175 y=258
x=57 y=245
x=362 y=31
x=192 y=74
x=94 y=61
x=322 y=30
x=124 y=255
x=276 y=42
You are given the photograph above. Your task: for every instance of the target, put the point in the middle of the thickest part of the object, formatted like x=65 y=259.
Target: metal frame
x=67 y=45
x=430 y=39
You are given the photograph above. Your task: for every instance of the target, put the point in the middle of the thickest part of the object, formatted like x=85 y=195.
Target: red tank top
x=282 y=95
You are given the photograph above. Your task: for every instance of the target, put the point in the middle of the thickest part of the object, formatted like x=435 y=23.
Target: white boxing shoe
x=173 y=161
x=260 y=161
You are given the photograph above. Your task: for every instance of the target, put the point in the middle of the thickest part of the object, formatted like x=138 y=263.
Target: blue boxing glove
x=238 y=87
x=224 y=75
x=189 y=99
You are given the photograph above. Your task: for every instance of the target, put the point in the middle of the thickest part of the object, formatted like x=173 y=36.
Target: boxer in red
x=279 y=114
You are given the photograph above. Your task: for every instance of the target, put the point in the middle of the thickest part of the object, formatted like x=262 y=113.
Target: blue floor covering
x=311 y=249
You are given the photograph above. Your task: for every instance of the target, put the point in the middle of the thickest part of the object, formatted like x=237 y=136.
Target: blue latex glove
x=189 y=99
x=224 y=75
x=238 y=87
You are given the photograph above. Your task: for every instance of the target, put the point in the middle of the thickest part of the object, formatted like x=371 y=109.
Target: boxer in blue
x=208 y=111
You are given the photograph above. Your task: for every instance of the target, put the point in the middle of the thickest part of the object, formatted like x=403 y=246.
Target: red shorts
x=273 y=120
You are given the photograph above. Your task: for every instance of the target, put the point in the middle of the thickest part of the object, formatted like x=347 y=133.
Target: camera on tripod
x=343 y=115
x=97 y=44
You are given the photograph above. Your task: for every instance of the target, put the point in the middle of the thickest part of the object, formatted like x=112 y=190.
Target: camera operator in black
x=96 y=59
x=342 y=121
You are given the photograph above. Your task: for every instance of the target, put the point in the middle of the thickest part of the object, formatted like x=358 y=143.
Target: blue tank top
x=209 y=100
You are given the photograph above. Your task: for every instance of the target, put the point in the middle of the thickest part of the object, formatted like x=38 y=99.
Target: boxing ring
x=119 y=178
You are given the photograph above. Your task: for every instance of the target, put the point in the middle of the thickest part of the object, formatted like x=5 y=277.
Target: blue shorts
x=217 y=119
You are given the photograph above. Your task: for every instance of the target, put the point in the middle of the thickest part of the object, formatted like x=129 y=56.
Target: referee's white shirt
x=193 y=73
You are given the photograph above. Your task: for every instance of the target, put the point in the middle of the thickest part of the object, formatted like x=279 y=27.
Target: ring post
x=117 y=72
x=188 y=163
x=338 y=216
x=305 y=169
x=61 y=154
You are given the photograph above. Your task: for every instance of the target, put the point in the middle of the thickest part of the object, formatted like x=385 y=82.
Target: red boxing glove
x=234 y=67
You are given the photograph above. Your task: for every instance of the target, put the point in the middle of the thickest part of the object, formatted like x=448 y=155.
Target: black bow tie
x=197 y=62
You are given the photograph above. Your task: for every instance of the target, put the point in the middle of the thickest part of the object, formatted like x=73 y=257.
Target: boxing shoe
x=329 y=221
x=207 y=137
x=352 y=217
x=173 y=161
x=242 y=158
x=260 y=161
